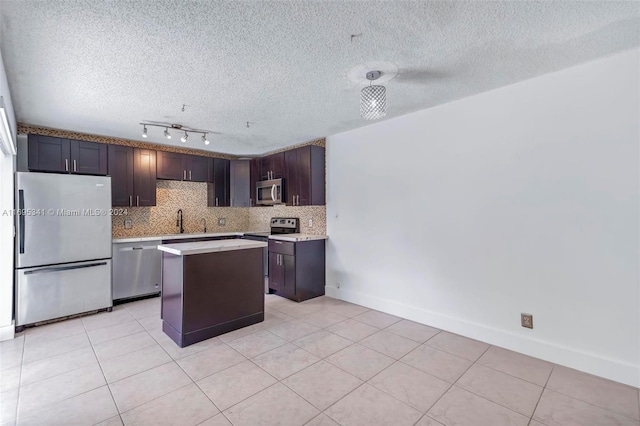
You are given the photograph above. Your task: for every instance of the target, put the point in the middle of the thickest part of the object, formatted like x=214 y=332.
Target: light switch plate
x=128 y=224
x=222 y=221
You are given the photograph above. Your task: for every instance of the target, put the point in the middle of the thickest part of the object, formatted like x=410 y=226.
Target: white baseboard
x=7 y=332
x=590 y=363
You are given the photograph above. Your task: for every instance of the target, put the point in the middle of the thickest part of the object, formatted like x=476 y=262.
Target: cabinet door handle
x=66 y=164
x=190 y=178
x=216 y=201
x=184 y=175
x=130 y=200
x=273 y=192
x=138 y=200
x=75 y=168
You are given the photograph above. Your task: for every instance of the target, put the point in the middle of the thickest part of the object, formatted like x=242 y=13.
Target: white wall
x=7 y=165
x=522 y=199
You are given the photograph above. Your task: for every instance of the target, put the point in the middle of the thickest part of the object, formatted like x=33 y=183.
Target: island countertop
x=184 y=249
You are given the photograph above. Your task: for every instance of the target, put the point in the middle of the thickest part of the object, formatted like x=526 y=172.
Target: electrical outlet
x=310 y=223
x=526 y=320
x=128 y=224
x=222 y=221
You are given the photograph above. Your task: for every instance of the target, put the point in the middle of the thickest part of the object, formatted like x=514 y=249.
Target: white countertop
x=297 y=237
x=176 y=237
x=184 y=249
x=285 y=237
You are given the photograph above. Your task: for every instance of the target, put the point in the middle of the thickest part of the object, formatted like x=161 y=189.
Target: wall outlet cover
x=526 y=320
x=222 y=221
x=128 y=224
x=310 y=223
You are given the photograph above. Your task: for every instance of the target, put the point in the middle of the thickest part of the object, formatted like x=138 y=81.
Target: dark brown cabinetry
x=133 y=176
x=171 y=166
x=205 y=295
x=297 y=270
x=144 y=177
x=254 y=178
x=239 y=181
x=272 y=166
x=198 y=169
x=175 y=166
x=50 y=154
x=218 y=192
x=305 y=176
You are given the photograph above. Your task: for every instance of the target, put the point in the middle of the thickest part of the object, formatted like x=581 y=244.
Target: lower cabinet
x=297 y=270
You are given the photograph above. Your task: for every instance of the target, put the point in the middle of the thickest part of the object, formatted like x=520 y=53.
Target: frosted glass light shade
x=373 y=102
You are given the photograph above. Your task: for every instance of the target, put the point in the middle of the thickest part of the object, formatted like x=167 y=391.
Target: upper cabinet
x=171 y=166
x=240 y=177
x=254 y=178
x=272 y=166
x=133 y=176
x=305 y=176
x=176 y=166
x=219 y=192
x=50 y=154
x=198 y=169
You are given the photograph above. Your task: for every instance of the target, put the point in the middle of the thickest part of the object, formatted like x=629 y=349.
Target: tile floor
x=321 y=362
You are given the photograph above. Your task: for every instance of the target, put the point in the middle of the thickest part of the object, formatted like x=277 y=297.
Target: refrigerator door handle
x=63 y=268
x=21 y=219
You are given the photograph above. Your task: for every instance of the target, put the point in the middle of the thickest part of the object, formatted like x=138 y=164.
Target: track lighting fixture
x=177 y=127
x=373 y=99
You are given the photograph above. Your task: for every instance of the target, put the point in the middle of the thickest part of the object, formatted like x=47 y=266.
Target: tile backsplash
x=259 y=217
x=191 y=197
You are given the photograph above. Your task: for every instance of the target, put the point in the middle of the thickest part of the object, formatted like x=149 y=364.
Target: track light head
x=184 y=137
x=144 y=132
x=167 y=134
x=205 y=140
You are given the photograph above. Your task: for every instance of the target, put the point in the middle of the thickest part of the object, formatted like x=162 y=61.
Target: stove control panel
x=285 y=222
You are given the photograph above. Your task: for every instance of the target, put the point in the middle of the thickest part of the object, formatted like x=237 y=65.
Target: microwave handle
x=273 y=192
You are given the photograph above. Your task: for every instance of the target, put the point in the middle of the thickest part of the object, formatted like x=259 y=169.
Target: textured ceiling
x=101 y=67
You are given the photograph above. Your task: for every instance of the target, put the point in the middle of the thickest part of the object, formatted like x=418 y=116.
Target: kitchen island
x=210 y=288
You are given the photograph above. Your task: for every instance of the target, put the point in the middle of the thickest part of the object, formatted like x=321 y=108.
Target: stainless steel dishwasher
x=137 y=269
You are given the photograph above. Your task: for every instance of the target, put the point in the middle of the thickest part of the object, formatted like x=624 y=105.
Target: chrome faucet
x=179 y=222
x=204 y=225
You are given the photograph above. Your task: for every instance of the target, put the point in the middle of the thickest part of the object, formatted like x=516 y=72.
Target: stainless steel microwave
x=269 y=192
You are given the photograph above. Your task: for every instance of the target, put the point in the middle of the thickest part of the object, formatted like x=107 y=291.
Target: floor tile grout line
x=509 y=374
x=448 y=389
x=115 y=404
x=553 y=366
x=76 y=395
x=592 y=404
x=484 y=397
x=24 y=344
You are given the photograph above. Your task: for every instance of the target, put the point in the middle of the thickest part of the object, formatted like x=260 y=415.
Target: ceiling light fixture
x=178 y=128
x=373 y=98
